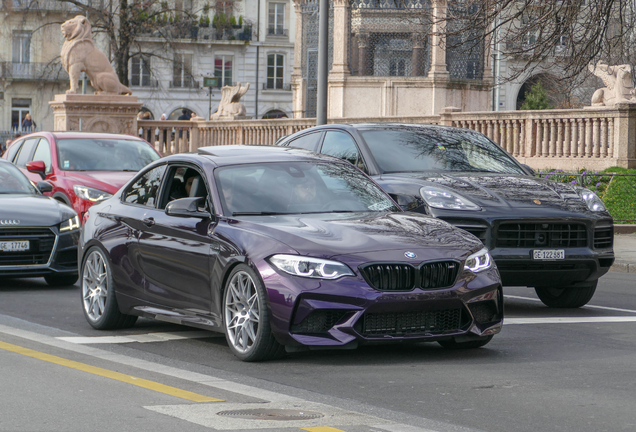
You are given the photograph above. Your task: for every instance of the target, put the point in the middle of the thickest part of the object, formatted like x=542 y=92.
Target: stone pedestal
x=96 y=113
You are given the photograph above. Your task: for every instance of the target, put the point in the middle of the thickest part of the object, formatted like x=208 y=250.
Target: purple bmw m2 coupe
x=282 y=250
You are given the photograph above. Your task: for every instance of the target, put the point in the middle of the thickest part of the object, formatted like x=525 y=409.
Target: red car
x=83 y=167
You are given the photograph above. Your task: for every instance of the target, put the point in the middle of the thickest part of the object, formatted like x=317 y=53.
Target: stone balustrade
x=568 y=139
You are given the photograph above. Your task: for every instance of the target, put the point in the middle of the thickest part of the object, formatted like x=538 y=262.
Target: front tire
x=571 y=297
x=471 y=344
x=98 y=293
x=61 y=280
x=246 y=317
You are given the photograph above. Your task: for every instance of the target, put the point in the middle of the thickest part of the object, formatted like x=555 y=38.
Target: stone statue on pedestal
x=79 y=54
x=230 y=108
x=618 y=84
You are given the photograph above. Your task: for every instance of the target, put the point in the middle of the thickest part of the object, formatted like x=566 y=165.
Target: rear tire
x=246 y=317
x=572 y=297
x=472 y=344
x=98 y=294
x=61 y=280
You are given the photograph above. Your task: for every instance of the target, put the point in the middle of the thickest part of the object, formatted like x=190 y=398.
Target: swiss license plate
x=14 y=246
x=552 y=254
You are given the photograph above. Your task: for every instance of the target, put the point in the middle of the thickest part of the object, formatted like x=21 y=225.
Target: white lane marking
x=584 y=307
x=569 y=320
x=140 y=338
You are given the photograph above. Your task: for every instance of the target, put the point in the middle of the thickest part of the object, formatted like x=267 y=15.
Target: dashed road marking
x=139 y=382
x=140 y=338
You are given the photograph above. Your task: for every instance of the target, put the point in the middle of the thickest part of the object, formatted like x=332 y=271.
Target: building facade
x=242 y=41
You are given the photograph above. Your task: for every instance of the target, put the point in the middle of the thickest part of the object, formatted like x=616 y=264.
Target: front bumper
x=347 y=312
x=54 y=253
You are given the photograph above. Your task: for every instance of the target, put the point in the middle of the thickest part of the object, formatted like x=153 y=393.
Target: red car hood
x=108 y=181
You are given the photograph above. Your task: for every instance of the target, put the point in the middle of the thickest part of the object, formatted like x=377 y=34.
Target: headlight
x=445 y=199
x=592 y=200
x=479 y=261
x=70 y=225
x=315 y=268
x=90 y=194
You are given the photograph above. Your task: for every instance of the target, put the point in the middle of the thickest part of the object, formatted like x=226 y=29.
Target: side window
x=307 y=142
x=146 y=189
x=183 y=182
x=341 y=145
x=13 y=150
x=43 y=153
x=25 y=152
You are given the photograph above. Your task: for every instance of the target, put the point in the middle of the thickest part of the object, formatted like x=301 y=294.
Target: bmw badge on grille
x=410 y=255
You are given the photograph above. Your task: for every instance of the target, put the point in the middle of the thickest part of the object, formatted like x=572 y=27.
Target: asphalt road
x=549 y=370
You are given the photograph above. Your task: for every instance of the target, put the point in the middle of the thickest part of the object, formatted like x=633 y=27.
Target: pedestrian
x=193 y=115
x=184 y=116
x=4 y=147
x=28 y=124
x=165 y=131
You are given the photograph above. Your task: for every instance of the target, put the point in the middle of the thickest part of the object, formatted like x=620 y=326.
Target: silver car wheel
x=242 y=312
x=95 y=285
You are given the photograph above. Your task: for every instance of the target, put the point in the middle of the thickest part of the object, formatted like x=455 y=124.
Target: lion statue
x=618 y=84
x=79 y=54
x=230 y=107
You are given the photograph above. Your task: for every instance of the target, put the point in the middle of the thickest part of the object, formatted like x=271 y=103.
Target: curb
x=623 y=267
x=625 y=229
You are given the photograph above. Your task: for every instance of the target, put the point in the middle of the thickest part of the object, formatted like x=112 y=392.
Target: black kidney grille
x=319 y=321
x=603 y=238
x=438 y=274
x=411 y=322
x=390 y=277
x=528 y=235
x=41 y=242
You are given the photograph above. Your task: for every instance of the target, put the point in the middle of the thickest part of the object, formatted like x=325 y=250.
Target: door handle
x=148 y=221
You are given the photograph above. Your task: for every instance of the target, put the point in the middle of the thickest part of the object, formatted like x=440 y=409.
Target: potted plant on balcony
x=233 y=22
x=203 y=22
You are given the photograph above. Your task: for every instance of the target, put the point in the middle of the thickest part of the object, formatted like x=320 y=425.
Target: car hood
x=502 y=190
x=329 y=235
x=33 y=210
x=108 y=181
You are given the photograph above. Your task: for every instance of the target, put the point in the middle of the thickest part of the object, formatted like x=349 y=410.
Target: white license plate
x=558 y=254
x=14 y=246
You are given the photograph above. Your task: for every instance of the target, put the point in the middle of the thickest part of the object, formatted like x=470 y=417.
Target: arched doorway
x=555 y=90
x=274 y=114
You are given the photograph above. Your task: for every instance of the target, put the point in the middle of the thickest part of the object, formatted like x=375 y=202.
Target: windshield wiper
x=256 y=213
x=334 y=211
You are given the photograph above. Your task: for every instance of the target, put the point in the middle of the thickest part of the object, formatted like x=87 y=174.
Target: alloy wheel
x=95 y=286
x=242 y=312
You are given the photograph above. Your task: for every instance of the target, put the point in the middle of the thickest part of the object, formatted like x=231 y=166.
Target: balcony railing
x=144 y=83
x=276 y=86
x=277 y=31
x=195 y=32
x=48 y=5
x=33 y=71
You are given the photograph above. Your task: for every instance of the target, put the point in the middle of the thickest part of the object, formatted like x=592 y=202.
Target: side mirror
x=37 y=167
x=44 y=186
x=187 y=207
x=528 y=169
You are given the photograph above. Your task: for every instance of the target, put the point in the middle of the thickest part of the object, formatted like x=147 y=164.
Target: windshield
x=418 y=149
x=298 y=188
x=91 y=154
x=12 y=181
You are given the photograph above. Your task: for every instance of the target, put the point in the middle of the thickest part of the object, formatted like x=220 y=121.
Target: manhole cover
x=271 y=414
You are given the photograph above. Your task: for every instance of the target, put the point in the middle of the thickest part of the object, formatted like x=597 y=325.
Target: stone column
x=96 y=113
x=438 y=40
x=363 y=54
x=625 y=135
x=419 y=52
x=297 y=84
x=340 y=63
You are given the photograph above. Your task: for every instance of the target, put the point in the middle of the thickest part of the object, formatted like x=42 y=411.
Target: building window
x=223 y=69
x=182 y=71
x=21 y=46
x=19 y=109
x=140 y=71
x=275 y=70
x=276 y=17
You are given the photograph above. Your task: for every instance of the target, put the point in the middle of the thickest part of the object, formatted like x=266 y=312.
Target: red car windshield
x=12 y=181
x=94 y=154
